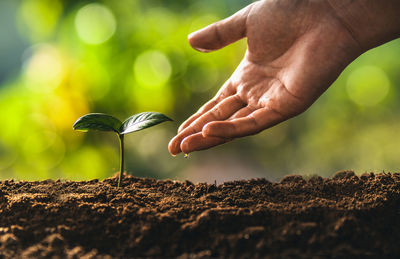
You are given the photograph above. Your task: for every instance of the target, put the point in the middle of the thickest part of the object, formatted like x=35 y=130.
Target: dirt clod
x=340 y=216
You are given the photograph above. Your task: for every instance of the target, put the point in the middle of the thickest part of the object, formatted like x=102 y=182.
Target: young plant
x=105 y=122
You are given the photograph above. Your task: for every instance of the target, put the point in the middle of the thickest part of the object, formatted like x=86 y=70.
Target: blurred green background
x=62 y=59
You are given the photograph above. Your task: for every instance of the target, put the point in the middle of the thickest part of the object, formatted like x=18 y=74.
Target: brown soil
x=341 y=216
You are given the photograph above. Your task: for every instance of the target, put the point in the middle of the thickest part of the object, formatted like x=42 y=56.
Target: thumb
x=221 y=33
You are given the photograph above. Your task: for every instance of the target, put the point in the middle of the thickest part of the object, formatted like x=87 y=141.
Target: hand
x=296 y=49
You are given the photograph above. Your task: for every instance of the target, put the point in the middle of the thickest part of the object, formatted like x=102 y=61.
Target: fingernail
x=172 y=148
x=184 y=147
x=191 y=35
x=202 y=50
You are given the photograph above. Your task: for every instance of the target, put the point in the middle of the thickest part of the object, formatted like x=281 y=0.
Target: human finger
x=255 y=122
x=242 y=112
x=225 y=91
x=221 y=33
x=221 y=111
x=205 y=108
x=197 y=142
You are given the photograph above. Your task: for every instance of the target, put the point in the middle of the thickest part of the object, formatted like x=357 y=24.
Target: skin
x=295 y=50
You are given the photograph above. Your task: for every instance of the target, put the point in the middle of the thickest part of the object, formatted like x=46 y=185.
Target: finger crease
x=289 y=92
x=218 y=34
x=253 y=120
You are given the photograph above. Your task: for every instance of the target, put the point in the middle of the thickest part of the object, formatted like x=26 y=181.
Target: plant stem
x=121 y=153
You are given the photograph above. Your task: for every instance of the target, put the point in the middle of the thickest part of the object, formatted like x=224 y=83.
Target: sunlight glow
x=368 y=85
x=95 y=23
x=152 y=69
x=44 y=70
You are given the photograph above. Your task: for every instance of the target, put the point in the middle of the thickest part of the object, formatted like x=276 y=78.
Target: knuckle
x=254 y=122
x=217 y=34
x=217 y=113
x=196 y=128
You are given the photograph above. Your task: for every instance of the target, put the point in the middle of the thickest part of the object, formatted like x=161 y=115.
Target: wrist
x=370 y=22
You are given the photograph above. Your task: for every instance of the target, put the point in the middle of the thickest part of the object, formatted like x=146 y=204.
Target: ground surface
x=343 y=215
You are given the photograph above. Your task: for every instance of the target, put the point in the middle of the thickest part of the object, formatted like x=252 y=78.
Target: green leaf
x=97 y=121
x=142 y=121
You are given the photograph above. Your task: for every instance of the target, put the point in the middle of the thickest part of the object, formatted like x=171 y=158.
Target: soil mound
x=146 y=218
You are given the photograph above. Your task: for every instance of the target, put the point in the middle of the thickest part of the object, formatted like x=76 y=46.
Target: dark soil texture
x=343 y=216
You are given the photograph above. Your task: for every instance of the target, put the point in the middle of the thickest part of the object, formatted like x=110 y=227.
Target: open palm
x=296 y=49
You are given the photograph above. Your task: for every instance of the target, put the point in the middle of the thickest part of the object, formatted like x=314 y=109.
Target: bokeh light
x=95 y=23
x=44 y=69
x=368 y=85
x=38 y=18
x=152 y=69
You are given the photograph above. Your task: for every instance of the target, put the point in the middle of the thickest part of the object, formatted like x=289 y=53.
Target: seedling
x=105 y=122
